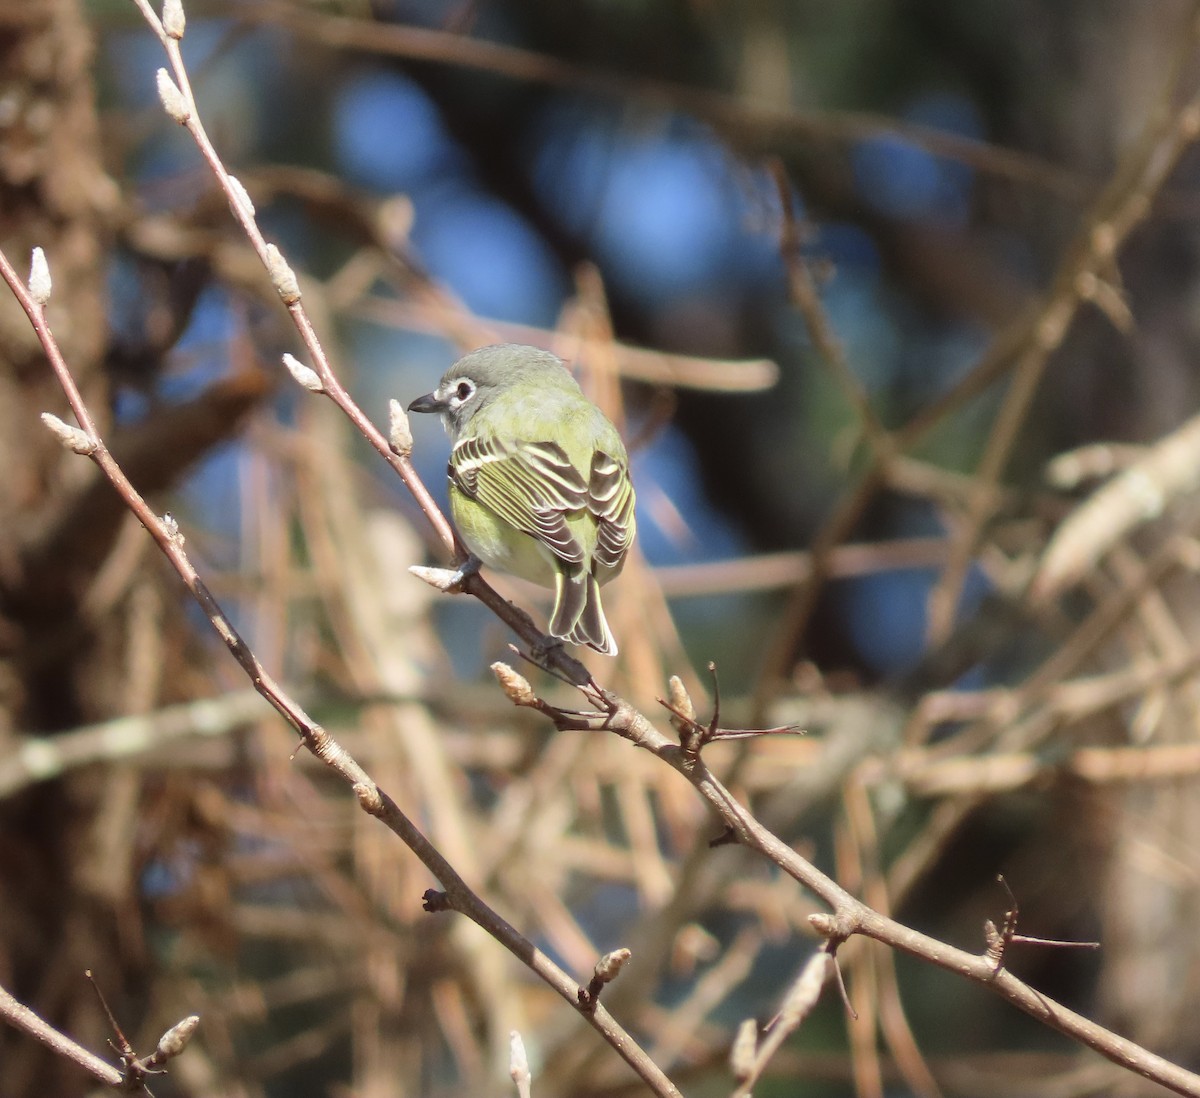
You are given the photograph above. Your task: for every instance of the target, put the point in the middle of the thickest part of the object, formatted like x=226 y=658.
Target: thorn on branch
x=728 y=837
x=170 y=1044
x=540 y=657
x=694 y=736
x=607 y=969
x=841 y=983
x=998 y=941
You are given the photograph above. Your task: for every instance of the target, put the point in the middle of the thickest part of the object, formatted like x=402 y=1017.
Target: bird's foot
x=465 y=571
x=541 y=650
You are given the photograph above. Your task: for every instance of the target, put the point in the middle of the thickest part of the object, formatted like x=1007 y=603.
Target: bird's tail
x=578 y=615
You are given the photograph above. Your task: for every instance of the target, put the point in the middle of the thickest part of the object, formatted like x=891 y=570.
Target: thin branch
x=748 y=119
x=848 y=916
x=458 y=895
x=21 y=1017
x=39 y=758
x=1120 y=208
x=1024 y=347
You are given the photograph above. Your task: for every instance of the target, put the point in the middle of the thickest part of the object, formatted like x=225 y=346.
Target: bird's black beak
x=430 y=402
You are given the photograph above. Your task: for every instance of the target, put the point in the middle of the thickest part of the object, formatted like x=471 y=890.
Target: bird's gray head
x=476 y=379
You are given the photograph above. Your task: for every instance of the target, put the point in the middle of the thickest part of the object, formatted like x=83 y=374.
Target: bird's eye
x=463 y=390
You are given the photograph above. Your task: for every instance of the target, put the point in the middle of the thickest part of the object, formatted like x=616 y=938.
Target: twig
x=21 y=1017
x=180 y=104
x=1121 y=206
x=86 y=440
x=743 y=117
x=850 y=916
x=518 y=1066
x=998 y=941
x=798 y=1003
x=607 y=969
x=38 y=758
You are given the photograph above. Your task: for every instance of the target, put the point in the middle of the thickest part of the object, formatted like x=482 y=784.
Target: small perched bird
x=539 y=480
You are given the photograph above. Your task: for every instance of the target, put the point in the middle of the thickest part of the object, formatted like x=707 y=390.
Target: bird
x=539 y=480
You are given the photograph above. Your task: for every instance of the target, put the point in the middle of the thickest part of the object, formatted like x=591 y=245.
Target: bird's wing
x=610 y=499
x=531 y=485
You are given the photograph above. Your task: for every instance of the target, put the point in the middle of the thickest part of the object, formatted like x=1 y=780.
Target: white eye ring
x=464 y=389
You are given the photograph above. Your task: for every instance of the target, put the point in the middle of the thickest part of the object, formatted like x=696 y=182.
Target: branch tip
x=606 y=970
x=518 y=1064
x=175 y=1040
x=515 y=686
x=609 y=966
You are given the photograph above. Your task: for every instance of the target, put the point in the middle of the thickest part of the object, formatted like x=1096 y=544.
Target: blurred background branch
x=591 y=178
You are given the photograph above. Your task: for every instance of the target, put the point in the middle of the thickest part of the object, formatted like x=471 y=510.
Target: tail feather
x=570 y=597
x=578 y=615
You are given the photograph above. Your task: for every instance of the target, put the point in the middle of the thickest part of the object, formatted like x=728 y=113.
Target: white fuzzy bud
x=399 y=432
x=283 y=278
x=74 y=439
x=610 y=965
x=39 y=277
x=303 y=375
x=171 y=528
x=442 y=579
x=744 y=1051
x=172 y=98
x=241 y=197
x=175 y=1040
x=518 y=1064
x=173 y=19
